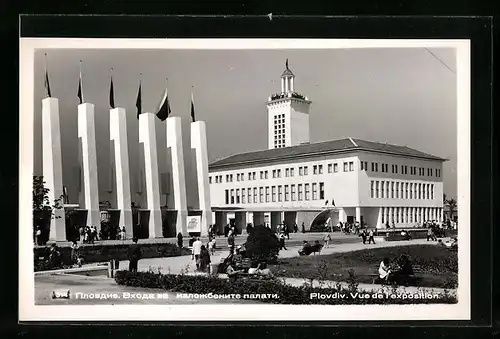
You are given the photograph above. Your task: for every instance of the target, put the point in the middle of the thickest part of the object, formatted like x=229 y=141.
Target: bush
x=262 y=244
x=104 y=253
x=286 y=294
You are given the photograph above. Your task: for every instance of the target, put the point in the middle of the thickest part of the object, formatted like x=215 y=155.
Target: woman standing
x=75 y=249
x=204 y=259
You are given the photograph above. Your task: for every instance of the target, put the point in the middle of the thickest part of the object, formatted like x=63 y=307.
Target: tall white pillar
x=52 y=164
x=342 y=215
x=286 y=85
x=379 y=218
x=118 y=134
x=147 y=136
x=174 y=141
x=291 y=84
x=199 y=144
x=358 y=214
x=282 y=85
x=86 y=133
x=391 y=216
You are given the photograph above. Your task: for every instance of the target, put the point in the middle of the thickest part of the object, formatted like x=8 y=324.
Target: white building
x=295 y=181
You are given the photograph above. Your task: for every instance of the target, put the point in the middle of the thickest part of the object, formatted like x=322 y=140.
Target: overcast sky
x=401 y=96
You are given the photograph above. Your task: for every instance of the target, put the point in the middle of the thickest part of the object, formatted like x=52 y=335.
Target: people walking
x=134 y=255
x=371 y=233
x=282 y=241
x=196 y=251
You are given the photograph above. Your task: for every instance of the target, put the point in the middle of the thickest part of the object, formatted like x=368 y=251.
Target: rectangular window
x=392 y=190
x=249 y=194
x=287 y=172
x=397 y=190
x=280 y=193
x=293 y=193
x=307 y=191
x=227 y=177
x=382 y=189
x=420 y=191
x=377 y=189
x=306 y=170
x=253 y=175
x=301 y=171
x=267 y=193
x=406 y=191
x=261 y=194
x=335 y=168
x=237 y=195
x=265 y=174
x=237 y=177
x=351 y=166
x=232 y=196
x=287 y=193
x=345 y=166
x=279 y=173
x=402 y=191
x=320 y=169
x=376 y=167
x=330 y=168
x=255 y=195
x=242 y=176
x=209 y=180
x=292 y=172
x=274 y=173
x=300 y=196
x=396 y=169
x=314 y=191
x=411 y=190
x=273 y=193
x=428 y=191
x=383 y=168
x=231 y=176
x=321 y=191
x=373 y=167
x=227 y=197
x=371 y=189
x=315 y=169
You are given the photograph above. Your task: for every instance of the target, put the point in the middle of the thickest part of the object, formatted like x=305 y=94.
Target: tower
x=288 y=114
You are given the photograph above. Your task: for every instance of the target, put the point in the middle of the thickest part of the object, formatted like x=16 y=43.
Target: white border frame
x=28 y=311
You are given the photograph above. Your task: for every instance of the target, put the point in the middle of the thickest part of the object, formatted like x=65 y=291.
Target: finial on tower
x=286 y=63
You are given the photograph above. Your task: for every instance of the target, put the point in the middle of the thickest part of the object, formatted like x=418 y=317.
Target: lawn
x=439 y=265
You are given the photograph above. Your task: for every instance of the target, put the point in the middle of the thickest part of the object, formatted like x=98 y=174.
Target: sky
x=403 y=96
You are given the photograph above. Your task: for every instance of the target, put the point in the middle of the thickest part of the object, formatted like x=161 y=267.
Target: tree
x=452 y=206
x=262 y=244
x=42 y=209
x=444 y=198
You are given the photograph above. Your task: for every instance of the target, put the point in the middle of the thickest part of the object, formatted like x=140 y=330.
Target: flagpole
x=81 y=82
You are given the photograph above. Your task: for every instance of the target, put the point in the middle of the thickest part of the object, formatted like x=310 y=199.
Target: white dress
x=383 y=270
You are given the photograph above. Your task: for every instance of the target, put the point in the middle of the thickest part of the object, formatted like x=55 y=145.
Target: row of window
x=279 y=131
x=410 y=214
x=278 y=193
x=332 y=168
x=401 y=190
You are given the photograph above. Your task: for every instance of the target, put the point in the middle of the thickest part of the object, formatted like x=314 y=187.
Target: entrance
x=350 y=219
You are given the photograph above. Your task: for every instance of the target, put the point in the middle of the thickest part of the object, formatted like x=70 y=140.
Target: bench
x=313 y=249
x=417 y=273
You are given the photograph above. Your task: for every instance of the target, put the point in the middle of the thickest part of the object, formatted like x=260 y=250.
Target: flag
x=138 y=102
x=286 y=63
x=47 y=84
x=80 y=90
x=333 y=202
x=326 y=202
x=111 y=93
x=192 y=107
x=163 y=110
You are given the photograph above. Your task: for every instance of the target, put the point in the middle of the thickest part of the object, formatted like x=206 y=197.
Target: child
x=326 y=240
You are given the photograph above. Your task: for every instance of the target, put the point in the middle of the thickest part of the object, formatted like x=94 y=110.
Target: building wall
x=295 y=114
x=341 y=186
x=367 y=176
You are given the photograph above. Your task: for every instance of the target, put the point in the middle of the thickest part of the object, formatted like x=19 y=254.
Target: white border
x=28 y=311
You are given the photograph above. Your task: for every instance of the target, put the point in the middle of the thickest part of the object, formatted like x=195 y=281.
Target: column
x=291 y=84
x=86 y=134
x=414 y=214
x=199 y=144
x=52 y=164
x=282 y=85
x=405 y=215
x=342 y=216
x=391 y=218
x=379 y=218
x=240 y=219
x=358 y=214
x=276 y=219
x=147 y=137
x=174 y=142
x=118 y=135
x=220 y=221
x=286 y=85
x=400 y=215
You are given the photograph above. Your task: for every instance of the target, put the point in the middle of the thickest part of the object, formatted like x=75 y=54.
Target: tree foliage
x=262 y=244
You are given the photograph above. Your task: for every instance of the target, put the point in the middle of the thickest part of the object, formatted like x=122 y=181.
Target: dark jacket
x=134 y=252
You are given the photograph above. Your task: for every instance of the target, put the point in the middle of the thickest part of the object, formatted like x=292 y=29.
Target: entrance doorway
x=350 y=219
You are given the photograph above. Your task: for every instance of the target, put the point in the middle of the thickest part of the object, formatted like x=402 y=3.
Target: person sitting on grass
x=306 y=248
x=260 y=269
x=384 y=270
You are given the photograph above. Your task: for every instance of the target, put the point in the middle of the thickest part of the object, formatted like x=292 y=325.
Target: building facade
x=298 y=182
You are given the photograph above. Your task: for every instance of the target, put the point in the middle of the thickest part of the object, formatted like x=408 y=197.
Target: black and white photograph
x=202 y=179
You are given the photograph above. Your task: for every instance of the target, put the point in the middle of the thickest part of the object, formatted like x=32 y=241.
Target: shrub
x=286 y=294
x=262 y=244
x=104 y=253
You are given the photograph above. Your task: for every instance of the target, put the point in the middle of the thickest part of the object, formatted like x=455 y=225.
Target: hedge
x=287 y=294
x=106 y=252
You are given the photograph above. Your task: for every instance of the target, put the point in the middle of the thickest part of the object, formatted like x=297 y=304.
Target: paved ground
x=46 y=283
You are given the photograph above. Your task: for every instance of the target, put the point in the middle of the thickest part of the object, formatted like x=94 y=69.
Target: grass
x=439 y=265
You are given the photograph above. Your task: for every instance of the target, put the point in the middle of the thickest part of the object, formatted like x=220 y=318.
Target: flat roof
x=320 y=148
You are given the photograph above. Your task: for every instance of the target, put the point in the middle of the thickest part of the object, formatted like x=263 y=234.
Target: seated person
x=260 y=269
x=231 y=271
x=306 y=248
x=384 y=270
x=405 y=269
x=317 y=246
x=237 y=257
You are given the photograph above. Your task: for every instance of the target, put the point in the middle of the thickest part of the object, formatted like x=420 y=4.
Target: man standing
x=180 y=240
x=363 y=235
x=196 y=251
x=134 y=255
x=230 y=242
